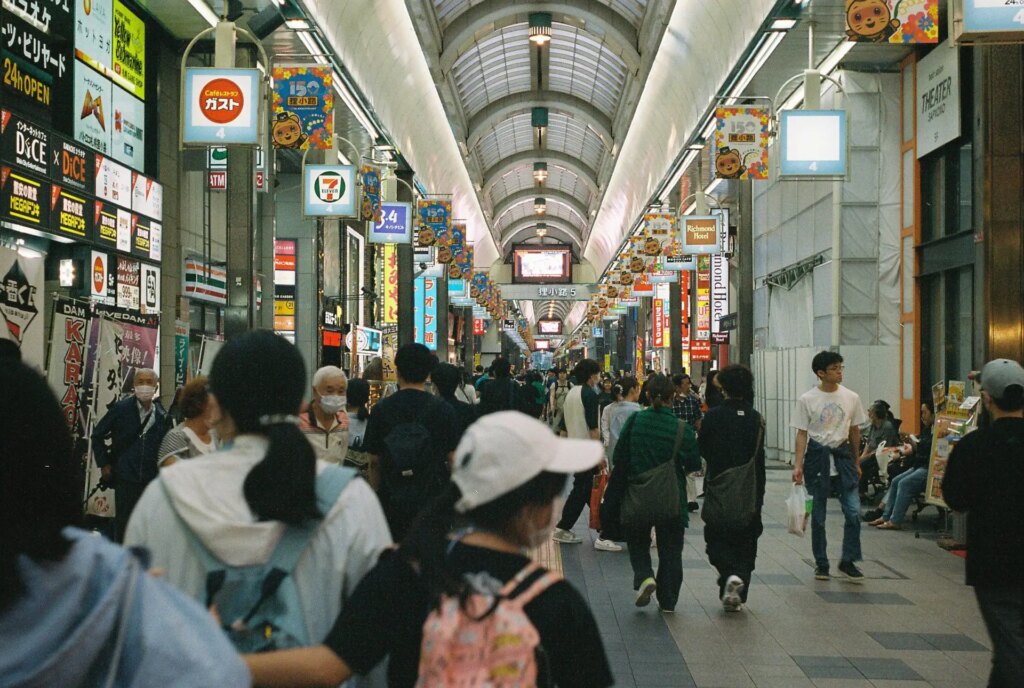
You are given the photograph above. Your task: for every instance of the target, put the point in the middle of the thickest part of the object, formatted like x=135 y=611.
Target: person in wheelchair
x=882 y=428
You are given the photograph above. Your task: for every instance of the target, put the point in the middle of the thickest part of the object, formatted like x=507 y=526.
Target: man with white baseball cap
x=985 y=477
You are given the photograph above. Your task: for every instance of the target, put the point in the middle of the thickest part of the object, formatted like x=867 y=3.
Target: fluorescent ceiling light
x=769 y=42
x=297 y=24
x=827 y=66
x=783 y=24
x=207 y=13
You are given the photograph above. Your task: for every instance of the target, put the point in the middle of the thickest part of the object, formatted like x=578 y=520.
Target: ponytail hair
x=259 y=381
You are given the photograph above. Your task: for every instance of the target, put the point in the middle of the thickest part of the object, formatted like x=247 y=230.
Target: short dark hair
x=500 y=367
x=358 y=395
x=678 y=378
x=194 y=396
x=823 y=359
x=1012 y=399
x=585 y=369
x=737 y=381
x=446 y=377
x=479 y=369
x=415 y=362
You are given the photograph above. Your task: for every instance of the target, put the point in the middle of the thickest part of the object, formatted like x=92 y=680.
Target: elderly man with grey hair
x=326 y=421
x=125 y=443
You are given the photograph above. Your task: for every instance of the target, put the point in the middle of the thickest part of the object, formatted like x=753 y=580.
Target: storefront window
x=947 y=326
x=947 y=192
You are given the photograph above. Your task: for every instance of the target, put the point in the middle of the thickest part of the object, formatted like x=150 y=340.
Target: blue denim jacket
x=817 y=451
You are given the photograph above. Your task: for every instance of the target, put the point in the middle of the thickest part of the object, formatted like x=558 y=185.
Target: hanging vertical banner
x=66 y=369
x=103 y=372
x=895 y=21
x=741 y=142
x=658 y=324
x=303 y=104
x=425 y=312
x=21 y=295
x=452 y=243
x=180 y=353
x=720 y=272
x=435 y=218
x=461 y=264
x=390 y=315
x=370 y=208
x=700 y=345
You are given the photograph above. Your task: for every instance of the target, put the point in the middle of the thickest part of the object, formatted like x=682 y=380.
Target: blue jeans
x=902 y=490
x=816 y=477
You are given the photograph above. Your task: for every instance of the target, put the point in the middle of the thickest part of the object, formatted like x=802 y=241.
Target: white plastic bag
x=797 y=513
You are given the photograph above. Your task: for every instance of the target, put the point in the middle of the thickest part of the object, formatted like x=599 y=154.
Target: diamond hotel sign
x=329 y=191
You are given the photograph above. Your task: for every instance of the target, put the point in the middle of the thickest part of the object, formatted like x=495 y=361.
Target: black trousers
x=582 y=485
x=1003 y=612
x=670 y=559
x=126 y=496
x=733 y=552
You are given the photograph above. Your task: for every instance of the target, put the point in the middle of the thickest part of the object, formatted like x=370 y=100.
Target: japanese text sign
x=221 y=106
x=303 y=102
x=741 y=142
x=395 y=225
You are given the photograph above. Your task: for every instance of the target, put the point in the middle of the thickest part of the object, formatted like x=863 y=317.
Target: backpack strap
x=528 y=587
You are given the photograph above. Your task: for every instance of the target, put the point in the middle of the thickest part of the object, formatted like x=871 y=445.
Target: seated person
x=880 y=429
x=911 y=482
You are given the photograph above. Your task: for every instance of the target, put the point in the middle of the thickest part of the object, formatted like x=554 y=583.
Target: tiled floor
x=912 y=623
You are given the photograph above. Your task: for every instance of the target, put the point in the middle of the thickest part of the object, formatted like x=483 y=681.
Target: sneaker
x=566 y=537
x=692 y=506
x=851 y=572
x=821 y=573
x=647 y=589
x=666 y=611
x=731 y=597
x=602 y=545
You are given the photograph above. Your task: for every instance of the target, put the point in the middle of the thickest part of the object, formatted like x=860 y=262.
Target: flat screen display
x=537 y=265
x=549 y=326
x=541 y=345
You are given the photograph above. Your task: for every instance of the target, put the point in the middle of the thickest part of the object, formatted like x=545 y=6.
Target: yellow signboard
x=282 y=307
x=390 y=284
x=129 y=51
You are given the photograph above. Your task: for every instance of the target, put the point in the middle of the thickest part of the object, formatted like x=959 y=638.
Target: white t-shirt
x=575 y=415
x=827 y=416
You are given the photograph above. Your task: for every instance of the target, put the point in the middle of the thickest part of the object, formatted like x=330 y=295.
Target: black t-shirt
x=466 y=413
x=590 y=406
x=385 y=616
x=410 y=405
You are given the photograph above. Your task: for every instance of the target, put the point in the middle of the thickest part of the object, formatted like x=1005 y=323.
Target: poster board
x=960 y=414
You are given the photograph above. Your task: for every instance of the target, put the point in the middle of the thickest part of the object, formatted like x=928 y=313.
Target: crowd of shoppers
x=263 y=537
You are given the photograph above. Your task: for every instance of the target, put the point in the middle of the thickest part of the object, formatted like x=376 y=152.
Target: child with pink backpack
x=459 y=604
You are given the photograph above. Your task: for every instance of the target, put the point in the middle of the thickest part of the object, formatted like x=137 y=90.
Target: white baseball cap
x=504 y=450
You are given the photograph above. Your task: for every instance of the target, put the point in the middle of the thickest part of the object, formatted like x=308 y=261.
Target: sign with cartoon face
x=741 y=142
x=893 y=21
x=303 y=107
x=813 y=143
x=329 y=191
x=221 y=106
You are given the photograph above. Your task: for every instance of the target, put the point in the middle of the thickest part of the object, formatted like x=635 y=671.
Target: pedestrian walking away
x=827 y=420
x=731 y=440
x=985 y=478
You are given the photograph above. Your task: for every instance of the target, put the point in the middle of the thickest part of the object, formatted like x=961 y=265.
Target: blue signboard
x=395 y=226
x=221 y=106
x=813 y=143
x=457 y=289
x=1000 y=16
x=596 y=332
x=329 y=191
x=425 y=312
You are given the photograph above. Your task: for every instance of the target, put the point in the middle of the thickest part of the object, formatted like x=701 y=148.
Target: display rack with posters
x=956 y=415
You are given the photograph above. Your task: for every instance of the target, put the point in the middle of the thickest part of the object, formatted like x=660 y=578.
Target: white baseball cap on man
x=504 y=450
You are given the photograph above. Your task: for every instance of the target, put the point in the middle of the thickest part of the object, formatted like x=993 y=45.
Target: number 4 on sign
x=1019 y=17
x=813 y=167
x=220 y=133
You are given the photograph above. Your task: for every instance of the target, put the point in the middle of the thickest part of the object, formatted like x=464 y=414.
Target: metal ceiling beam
x=527 y=158
x=557 y=229
x=481 y=123
x=528 y=194
x=591 y=16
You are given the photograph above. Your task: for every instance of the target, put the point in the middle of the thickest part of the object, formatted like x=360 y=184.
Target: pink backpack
x=483 y=640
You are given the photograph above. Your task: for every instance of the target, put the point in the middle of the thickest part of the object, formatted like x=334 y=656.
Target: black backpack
x=413 y=471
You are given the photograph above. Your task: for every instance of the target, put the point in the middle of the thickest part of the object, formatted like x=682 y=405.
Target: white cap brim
x=573 y=456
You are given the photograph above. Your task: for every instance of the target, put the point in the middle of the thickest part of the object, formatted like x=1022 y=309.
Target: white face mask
x=332 y=403
x=539 y=537
x=145 y=392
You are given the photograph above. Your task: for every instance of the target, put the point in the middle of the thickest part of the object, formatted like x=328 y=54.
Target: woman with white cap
x=419 y=604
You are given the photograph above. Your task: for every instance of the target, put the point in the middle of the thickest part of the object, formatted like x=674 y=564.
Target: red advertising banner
x=700 y=350
x=478 y=326
x=703 y=319
x=684 y=291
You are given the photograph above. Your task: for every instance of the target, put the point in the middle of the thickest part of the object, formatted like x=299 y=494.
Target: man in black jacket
x=985 y=478
x=134 y=427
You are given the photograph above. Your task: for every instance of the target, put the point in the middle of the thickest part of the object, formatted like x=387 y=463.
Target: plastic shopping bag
x=798 y=510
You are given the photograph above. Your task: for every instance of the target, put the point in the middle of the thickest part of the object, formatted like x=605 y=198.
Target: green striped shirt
x=647 y=441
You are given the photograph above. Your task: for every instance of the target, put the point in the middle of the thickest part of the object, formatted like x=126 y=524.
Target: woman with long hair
x=76 y=610
x=238 y=503
x=508 y=475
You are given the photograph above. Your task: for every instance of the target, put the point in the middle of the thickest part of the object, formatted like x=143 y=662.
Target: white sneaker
x=566 y=537
x=603 y=545
x=731 y=601
x=647 y=589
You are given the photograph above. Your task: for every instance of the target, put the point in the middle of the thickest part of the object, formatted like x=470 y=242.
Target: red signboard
x=700 y=350
x=478 y=326
x=218 y=180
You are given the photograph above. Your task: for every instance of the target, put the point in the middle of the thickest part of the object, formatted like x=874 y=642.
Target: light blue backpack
x=259 y=605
